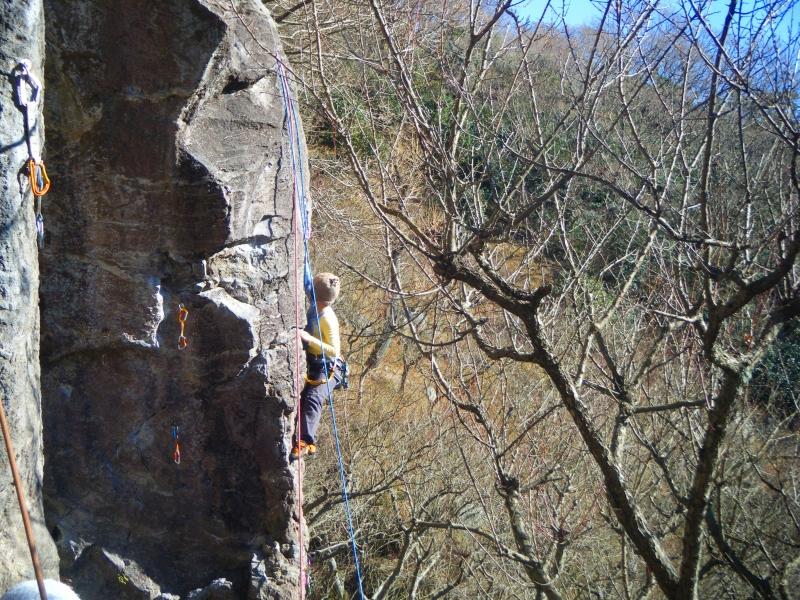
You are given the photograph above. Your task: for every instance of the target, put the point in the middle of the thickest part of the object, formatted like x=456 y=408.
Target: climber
x=320 y=342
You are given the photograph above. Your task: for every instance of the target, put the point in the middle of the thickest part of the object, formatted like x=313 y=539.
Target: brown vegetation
x=570 y=252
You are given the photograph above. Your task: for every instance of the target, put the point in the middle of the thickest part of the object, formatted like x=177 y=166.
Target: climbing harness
x=177 y=456
x=40 y=182
x=317 y=368
x=183 y=312
x=26 y=520
x=327 y=368
x=316 y=381
x=302 y=213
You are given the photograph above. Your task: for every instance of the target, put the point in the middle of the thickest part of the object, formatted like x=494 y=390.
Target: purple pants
x=312 y=399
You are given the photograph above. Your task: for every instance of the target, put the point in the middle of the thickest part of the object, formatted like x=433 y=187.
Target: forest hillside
x=570 y=290
x=570 y=297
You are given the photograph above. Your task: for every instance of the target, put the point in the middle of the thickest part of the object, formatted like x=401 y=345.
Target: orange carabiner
x=183 y=312
x=37 y=191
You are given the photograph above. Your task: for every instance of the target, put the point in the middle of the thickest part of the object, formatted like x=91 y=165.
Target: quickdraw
x=183 y=312
x=345 y=375
x=40 y=182
x=177 y=456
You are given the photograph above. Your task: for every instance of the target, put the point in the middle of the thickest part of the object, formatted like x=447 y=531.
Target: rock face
x=21 y=36
x=168 y=153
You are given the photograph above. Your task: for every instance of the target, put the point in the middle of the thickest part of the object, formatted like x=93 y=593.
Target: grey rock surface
x=219 y=589
x=167 y=144
x=21 y=36
x=99 y=575
x=272 y=576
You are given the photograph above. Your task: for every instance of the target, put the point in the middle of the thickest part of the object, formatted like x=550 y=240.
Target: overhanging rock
x=168 y=152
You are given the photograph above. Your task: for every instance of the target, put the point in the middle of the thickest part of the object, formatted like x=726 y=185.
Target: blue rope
x=289 y=103
x=336 y=438
x=299 y=181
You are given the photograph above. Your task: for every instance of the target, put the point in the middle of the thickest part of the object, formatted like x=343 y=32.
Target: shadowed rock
x=167 y=145
x=99 y=575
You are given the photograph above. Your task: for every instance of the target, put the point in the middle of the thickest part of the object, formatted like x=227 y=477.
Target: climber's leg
x=312 y=398
x=311 y=403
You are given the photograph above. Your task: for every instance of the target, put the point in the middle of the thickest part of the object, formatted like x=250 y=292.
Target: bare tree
x=598 y=224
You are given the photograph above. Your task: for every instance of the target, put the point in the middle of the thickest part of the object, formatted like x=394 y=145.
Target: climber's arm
x=329 y=327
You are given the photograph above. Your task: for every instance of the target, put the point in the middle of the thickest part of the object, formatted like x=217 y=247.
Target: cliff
x=167 y=149
x=21 y=37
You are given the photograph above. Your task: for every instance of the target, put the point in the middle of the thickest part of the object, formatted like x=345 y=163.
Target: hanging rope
x=298 y=385
x=40 y=182
x=338 y=446
x=302 y=212
x=26 y=520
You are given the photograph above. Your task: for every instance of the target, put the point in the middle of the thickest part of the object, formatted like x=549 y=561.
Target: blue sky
x=584 y=12
x=579 y=12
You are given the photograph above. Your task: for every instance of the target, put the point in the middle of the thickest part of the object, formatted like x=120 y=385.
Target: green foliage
x=776 y=379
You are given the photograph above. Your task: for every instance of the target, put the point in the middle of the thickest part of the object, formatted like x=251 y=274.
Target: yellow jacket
x=329 y=325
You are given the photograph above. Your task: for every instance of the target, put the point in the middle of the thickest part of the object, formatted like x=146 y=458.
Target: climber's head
x=326 y=288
